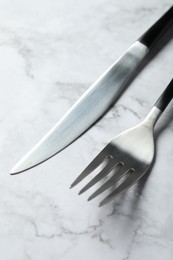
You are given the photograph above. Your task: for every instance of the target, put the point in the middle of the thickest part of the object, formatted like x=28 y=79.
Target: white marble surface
x=50 y=53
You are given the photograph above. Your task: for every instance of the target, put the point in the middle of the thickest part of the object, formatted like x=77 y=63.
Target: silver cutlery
x=96 y=100
x=128 y=156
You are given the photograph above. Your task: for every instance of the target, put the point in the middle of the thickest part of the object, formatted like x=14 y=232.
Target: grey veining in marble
x=50 y=52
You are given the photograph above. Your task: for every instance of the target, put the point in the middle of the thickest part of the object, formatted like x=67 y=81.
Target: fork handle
x=165 y=97
x=156 y=30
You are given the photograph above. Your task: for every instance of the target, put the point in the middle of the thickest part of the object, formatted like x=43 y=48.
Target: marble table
x=50 y=53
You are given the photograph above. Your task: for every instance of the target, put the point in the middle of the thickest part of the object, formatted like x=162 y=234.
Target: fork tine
x=129 y=181
x=116 y=177
x=106 y=170
x=92 y=166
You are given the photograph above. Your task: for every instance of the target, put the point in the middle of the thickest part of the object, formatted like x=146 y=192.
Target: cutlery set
x=131 y=153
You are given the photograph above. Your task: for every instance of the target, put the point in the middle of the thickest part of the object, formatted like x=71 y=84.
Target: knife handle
x=156 y=30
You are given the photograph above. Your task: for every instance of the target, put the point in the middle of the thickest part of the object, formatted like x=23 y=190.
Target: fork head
x=128 y=157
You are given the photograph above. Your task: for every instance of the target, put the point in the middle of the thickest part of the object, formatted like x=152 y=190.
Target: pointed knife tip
x=18 y=168
x=13 y=171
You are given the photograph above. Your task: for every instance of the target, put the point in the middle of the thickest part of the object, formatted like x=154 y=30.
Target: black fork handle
x=165 y=97
x=157 y=29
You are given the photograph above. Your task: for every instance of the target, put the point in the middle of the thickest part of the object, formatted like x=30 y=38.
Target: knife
x=96 y=100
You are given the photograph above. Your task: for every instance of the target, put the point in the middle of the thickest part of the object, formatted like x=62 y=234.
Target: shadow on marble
x=136 y=191
x=134 y=199
x=166 y=119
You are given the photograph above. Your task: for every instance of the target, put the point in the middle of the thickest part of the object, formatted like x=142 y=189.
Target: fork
x=128 y=156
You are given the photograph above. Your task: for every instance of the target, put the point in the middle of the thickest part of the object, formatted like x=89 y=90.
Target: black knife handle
x=156 y=30
x=165 y=98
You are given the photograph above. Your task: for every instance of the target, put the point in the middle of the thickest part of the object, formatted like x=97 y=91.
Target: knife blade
x=96 y=100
